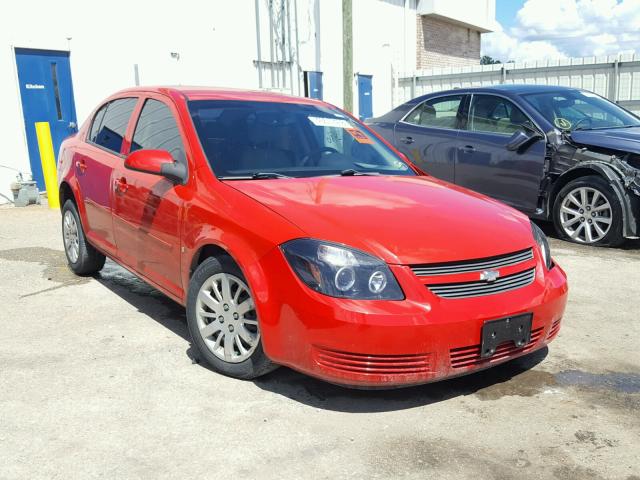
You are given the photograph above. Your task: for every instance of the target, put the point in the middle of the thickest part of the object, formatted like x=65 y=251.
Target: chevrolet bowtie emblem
x=489 y=275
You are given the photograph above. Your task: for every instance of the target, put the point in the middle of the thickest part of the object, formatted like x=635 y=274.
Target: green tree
x=487 y=60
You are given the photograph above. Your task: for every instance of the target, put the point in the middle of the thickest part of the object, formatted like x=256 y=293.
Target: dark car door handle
x=468 y=149
x=407 y=140
x=81 y=165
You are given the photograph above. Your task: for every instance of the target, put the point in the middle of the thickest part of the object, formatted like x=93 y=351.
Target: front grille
x=555 y=328
x=479 y=288
x=470 y=356
x=473 y=265
x=372 y=364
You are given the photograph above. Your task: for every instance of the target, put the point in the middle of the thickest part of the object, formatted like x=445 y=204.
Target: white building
x=273 y=44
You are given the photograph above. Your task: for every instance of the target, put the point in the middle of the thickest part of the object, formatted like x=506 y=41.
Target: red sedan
x=295 y=236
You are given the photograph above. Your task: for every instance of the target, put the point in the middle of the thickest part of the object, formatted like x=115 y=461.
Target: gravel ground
x=97 y=380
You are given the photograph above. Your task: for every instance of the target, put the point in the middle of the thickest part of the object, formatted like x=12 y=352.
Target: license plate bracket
x=516 y=329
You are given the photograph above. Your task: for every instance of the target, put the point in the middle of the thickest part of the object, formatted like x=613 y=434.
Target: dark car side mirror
x=156 y=162
x=521 y=139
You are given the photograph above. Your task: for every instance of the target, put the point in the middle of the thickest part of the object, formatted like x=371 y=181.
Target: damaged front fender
x=566 y=162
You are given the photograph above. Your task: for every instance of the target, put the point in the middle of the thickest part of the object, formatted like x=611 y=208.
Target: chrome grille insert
x=473 y=265
x=477 y=289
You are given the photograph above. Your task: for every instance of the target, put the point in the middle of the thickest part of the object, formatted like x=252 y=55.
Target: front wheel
x=587 y=210
x=223 y=322
x=82 y=257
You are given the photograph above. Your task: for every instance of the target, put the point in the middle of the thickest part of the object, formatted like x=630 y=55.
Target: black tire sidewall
x=89 y=259
x=614 y=235
x=258 y=363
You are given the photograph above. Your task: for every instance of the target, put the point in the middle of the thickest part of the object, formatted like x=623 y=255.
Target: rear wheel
x=588 y=211
x=82 y=258
x=223 y=321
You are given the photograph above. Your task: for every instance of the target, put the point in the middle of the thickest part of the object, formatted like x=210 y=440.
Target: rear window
x=113 y=119
x=244 y=138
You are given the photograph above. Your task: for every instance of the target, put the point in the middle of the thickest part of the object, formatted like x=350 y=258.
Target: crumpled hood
x=623 y=139
x=403 y=220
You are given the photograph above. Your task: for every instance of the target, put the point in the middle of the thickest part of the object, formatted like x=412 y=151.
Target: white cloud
x=548 y=29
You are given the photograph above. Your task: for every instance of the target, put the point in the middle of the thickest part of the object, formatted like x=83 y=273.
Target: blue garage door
x=47 y=96
x=365 y=104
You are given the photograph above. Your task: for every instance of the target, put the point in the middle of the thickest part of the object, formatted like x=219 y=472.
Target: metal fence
x=616 y=77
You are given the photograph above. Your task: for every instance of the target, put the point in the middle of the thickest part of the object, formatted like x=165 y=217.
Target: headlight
x=340 y=271
x=543 y=243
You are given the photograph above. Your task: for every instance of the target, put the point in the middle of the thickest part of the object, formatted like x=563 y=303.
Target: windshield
x=270 y=140
x=580 y=110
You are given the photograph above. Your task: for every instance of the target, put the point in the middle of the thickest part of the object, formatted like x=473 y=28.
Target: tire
x=221 y=325
x=82 y=257
x=588 y=211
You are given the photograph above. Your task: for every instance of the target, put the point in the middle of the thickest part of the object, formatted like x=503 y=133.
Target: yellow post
x=48 y=159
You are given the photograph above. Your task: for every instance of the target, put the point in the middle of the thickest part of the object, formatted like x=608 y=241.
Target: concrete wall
x=441 y=43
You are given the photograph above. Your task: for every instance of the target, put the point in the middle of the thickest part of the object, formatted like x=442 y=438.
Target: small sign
x=34 y=86
x=359 y=136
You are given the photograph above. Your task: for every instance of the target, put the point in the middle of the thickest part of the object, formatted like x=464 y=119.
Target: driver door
x=483 y=162
x=147 y=208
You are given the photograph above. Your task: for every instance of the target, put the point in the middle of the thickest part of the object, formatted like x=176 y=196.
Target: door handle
x=407 y=140
x=72 y=125
x=468 y=149
x=121 y=185
x=81 y=165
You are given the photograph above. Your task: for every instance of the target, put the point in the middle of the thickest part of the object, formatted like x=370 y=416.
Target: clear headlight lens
x=340 y=271
x=543 y=244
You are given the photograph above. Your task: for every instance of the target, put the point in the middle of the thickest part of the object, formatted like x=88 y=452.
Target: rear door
x=427 y=135
x=147 y=208
x=483 y=162
x=94 y=161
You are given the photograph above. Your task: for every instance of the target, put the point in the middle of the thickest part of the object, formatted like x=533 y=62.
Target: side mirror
x=521 y=139
x=156 y=162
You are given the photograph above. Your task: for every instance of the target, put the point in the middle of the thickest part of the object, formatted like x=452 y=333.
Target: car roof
x=511 y=88
x=217 y=93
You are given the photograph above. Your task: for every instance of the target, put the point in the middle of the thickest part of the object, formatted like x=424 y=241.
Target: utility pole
x=347 y=55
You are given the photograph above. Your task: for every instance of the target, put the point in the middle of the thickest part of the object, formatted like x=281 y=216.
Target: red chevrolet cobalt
x=295 y=236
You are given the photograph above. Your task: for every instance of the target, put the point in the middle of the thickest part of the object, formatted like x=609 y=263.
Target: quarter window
x=157 y=130
x=441 y=112
x=113 y=124
x=492 y=114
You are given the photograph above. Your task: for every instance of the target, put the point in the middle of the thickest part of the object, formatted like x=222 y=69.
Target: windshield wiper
x=256 y=176
x=350 y=172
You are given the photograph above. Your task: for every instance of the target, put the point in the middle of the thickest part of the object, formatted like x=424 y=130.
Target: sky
x=550 y=29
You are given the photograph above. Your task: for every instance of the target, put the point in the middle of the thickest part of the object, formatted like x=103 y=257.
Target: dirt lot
x=96 y=380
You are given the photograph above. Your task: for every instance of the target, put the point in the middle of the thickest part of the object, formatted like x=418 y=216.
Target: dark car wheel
x=82 y=257
x=223 y=322
x=588 y=211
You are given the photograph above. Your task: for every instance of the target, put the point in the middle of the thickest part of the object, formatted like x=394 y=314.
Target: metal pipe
x=136 y=74
x=298 y=68
x=270 y=5
x=257 y=4
x=288 y=11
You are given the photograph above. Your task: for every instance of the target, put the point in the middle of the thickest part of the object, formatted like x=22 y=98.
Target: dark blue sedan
x=556 y=153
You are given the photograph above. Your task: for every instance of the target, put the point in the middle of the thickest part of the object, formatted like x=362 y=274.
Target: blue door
x=47 y=96
x=365 y=104
x=313 y=85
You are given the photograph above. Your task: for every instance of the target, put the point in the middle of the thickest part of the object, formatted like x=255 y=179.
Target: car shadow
x=302 y=388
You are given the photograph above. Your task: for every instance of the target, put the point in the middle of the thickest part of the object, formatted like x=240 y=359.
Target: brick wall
x=444 y=44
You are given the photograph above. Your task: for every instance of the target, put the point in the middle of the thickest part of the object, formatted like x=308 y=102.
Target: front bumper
x=378 y=343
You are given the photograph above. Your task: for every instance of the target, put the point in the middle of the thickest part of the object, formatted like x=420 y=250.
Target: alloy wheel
x=226 y=318
x=586 y=215
x=71 y=236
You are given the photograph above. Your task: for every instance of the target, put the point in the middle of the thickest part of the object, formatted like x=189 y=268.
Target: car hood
x=403 y=220
x=622 y=139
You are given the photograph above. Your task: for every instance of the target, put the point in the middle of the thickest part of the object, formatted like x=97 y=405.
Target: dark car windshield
x=270 y=140
x=580 y=110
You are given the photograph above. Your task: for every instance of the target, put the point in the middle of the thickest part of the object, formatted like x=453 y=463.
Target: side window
x=157 y=130
x=495 y=115
x=97 y=121
x=441 y=112
x=114 y=124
